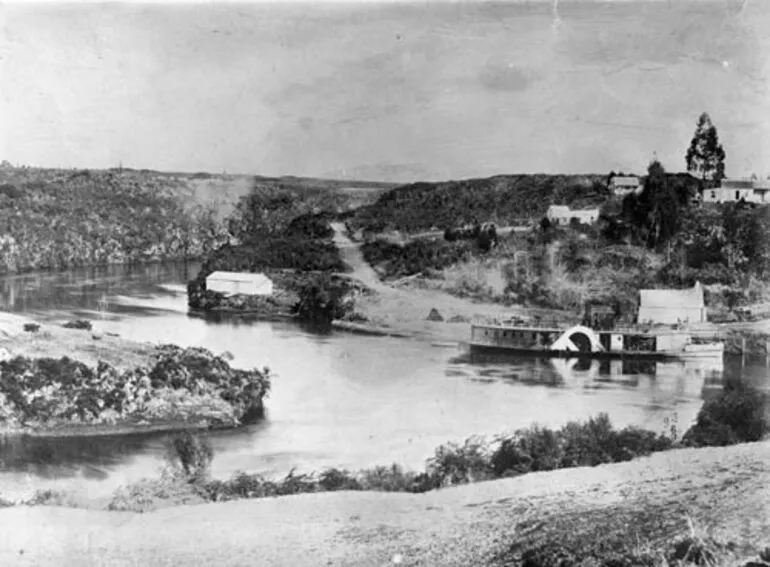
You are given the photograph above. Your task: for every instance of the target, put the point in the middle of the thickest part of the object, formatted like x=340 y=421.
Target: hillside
x=62 y=218
x=504 y=199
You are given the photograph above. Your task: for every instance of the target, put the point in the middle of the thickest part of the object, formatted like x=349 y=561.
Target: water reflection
x=86 y=290
x=57 y=457
x=562 y=372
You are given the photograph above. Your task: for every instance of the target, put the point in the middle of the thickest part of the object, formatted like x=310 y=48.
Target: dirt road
x=724 y=491
x=405 y=309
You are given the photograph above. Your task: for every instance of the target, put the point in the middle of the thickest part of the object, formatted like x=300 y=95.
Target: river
x=338 y=400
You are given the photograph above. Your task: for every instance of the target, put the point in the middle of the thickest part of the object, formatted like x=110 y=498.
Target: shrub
x=417 y=256
x=460 y=464
x=322 y=300
x=31 y=327
x=577 y=444
x=395 y=479
x=533 y=449
x=737 y=415
x=190 y=454
x=50 y=497
x=81 y=324
x=336 y=479
x=11 y=191
x=46 y=391
x=149 y=494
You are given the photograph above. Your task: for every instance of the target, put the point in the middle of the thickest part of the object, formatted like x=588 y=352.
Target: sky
x=383 y=91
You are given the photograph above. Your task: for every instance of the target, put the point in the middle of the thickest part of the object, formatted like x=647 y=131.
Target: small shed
x=239 y=283
x=671 y=306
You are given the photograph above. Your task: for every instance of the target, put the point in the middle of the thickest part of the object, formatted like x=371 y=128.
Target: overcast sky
x=382 y=91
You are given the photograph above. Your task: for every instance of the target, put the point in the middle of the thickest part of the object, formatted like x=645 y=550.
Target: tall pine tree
x=705 y=156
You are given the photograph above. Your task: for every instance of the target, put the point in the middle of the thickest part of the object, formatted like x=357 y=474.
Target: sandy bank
x=723 y=490
x=52 y=340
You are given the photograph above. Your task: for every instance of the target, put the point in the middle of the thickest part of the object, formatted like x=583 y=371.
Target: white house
x=733 y=190
x=625 y=184
x=563 y=215
x=239 y=283
x=670 y=306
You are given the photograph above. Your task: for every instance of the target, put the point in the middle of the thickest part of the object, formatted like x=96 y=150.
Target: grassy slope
x=640 y=502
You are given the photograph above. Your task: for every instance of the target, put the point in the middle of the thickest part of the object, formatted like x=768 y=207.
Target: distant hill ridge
x=505 y=199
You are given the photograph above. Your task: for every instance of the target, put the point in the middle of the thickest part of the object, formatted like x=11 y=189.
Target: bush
x=323 y=300
x=31 y=327
x=738 y=415
x=417 y=256
x=577 y=444
x=81 y=324
x=150 y=494
x=336 y=479
x=11 y=191
x=190 y=454
x=182 y=383
x=50 y=497
x=395 y=479
x=459 y=464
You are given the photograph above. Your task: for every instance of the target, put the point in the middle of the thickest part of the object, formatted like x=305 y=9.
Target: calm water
x=338 y=400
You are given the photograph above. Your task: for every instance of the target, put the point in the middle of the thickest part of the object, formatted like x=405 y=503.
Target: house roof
x=239 y=277
x=559 y=209
x=737 y=184
x=625 y=180
x=672 y=298
x=565 y=210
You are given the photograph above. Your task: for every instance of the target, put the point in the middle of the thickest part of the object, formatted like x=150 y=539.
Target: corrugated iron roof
x=239 y=277
x=674 y=298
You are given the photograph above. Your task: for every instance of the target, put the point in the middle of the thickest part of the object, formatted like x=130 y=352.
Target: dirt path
x=405 y=309
x=724 y=491
x=352 y=256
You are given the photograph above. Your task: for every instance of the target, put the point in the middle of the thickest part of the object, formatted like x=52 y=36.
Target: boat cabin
x=599 y=316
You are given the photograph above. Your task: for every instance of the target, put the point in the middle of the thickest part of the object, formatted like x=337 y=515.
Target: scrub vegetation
x=62 y=219
x=181 y=387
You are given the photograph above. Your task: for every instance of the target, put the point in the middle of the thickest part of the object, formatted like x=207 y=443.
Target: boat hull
x=494 y=349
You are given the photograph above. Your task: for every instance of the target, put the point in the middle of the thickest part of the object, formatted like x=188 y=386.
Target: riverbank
x=645 y=502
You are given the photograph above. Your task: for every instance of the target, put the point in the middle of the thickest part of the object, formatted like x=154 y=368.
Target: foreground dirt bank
x=723 y=492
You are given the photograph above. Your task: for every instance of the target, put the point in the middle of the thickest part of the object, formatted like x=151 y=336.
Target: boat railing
x=562 y=324
x=513 y=322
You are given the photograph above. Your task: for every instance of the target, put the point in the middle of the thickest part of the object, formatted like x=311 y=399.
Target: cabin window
x=737 y=195
x=713 y=194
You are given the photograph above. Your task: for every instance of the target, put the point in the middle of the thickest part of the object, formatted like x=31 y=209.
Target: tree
x=705 y=156
x=660 y=203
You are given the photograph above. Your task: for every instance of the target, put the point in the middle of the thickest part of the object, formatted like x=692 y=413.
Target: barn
x=239 y=283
